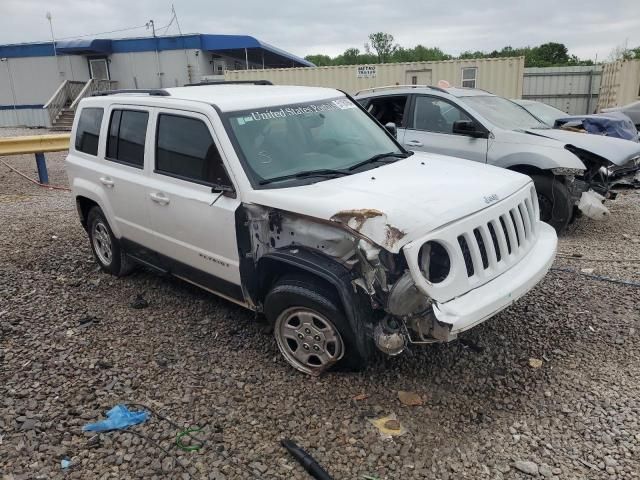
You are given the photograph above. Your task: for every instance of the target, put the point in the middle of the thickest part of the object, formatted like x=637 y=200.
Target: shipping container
x=571 y=89
x=502 y=76
x=620 y=84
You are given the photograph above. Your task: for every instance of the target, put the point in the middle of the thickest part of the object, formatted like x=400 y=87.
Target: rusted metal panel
x=502 y=76
x=34 y=144
x=620 y=84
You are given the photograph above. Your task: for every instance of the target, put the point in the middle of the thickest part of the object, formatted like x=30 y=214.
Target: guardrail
x=38 y=145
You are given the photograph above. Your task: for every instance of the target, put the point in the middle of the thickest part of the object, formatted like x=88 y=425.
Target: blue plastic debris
x=65 y=463
x=118 y=418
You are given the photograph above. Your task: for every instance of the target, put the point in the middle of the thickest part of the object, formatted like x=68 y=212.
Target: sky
x=587 y=27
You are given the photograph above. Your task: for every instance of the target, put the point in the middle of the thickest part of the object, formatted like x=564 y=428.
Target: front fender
x=84 y=188
x=506 y=155
x=356 y=307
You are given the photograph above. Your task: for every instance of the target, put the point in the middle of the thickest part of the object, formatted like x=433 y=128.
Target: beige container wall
x=502 y=76
x=620 y=84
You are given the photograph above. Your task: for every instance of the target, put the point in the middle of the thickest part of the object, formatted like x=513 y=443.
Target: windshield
x=287 y=140
x=503 y=113
x=544 y=112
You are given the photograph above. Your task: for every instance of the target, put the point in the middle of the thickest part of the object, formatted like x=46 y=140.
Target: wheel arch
x=356 y=306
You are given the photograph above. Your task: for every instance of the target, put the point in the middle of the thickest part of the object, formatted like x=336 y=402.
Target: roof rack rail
x=230 y=82
x=401 y=86
x=155 y=92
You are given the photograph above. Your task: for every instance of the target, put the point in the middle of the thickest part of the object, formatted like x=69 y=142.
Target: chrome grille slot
x=466 y=255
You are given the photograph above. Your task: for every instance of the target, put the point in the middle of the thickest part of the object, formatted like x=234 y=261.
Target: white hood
x=616 y=150
x=399 y=202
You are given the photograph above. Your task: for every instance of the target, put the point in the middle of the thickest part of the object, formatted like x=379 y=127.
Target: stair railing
x=92 y=86
x=65 y=93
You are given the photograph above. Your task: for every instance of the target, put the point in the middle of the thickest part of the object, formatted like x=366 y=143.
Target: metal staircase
x=63 y=103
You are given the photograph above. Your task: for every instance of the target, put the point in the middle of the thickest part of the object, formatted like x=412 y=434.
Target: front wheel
x=311 y=330
x=556 y=207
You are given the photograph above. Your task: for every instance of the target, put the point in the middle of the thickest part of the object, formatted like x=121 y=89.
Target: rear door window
x=88 y=130
x=127 y=133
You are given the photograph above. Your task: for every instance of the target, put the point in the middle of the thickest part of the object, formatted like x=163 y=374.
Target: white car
x=295 y=203
x=476 y=125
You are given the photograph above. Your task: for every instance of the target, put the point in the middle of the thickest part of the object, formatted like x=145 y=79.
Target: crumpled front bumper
x=479 y=304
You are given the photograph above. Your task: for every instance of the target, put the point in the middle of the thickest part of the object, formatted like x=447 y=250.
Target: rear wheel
x=555 y=203
x=106 y=248
x=311 y=330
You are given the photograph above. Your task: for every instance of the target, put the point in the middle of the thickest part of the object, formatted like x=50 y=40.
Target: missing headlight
x=434 y=261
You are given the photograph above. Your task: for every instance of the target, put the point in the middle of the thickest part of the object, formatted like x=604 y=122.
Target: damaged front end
x=379 y=281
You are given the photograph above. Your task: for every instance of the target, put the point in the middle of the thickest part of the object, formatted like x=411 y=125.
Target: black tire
x=556 y=207
x=99 y=230
x=299 y=291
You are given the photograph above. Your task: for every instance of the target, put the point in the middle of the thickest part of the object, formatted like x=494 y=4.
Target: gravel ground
x=71 y=347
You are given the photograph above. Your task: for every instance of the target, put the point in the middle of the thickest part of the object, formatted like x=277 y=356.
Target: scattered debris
x=306 y=460
x=587 y=270
x=361 y=396
x=535 y=363
x=139 y=302
x=65 y=463
x=474 y=347
x=530 y=468
x=388 y=426
x=87 y=319
x=118 y=418
x=410 y=399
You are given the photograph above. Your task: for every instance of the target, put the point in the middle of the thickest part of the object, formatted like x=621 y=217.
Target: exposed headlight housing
x=434 y=261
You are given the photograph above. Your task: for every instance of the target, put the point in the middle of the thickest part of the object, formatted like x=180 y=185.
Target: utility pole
x=153 y=30
x=53 y=41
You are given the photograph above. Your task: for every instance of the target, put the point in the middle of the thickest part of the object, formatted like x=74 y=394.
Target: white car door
x=120 y=172
x=193 y=226
x=430 y=129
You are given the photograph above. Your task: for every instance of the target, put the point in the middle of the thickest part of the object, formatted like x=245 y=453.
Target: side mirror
x=226 y=190
x=392 y=129
x=468 y=128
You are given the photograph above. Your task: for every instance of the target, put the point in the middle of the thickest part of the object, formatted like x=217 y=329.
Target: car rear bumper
x=480 y=304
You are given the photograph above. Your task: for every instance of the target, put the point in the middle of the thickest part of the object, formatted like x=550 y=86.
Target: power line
x=103 y=33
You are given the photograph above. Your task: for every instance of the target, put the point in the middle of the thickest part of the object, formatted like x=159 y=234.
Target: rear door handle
x=414 y=143
x=107 y=181
x=160 y=198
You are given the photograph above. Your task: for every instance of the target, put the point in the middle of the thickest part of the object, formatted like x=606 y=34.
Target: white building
x=39 y=84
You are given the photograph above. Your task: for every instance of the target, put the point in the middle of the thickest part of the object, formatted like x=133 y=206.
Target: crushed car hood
x=618 y=151
x=396 y=203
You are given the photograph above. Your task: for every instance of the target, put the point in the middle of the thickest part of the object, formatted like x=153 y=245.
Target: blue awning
x=235 y=44
x=84 y=47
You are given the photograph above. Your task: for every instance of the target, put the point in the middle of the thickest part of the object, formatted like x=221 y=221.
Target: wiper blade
x=379 y=157
x=323 y=172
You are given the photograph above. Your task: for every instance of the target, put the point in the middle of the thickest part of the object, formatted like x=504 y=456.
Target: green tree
x=383 y=45
x=319 y=60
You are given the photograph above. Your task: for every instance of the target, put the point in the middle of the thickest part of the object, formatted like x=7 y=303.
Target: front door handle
x=414 y=143
x=160 y=198
x=107 y=181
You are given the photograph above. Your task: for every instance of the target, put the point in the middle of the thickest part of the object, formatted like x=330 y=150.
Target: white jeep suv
x=295 y=203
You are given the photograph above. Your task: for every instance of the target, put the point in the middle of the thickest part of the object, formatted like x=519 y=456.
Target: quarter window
x=185 y=149
x=469 y=76
x=127 y=133
x=88 y=130
x=435 y=115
